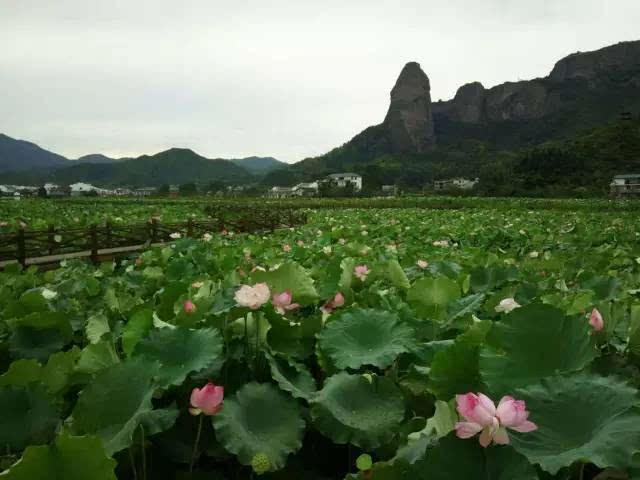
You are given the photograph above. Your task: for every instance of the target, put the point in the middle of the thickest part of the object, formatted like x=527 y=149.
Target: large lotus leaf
x=580 y=417
x=113 y=404
x=260 y=419
x=96 y=357
x=455 y=368
x=28 y=416
x=292 y=376
x=531 y=343
x=454 y=458
x=97 y=326
x=36 y=343
x=351 y=409
x=289 y=276
x=438 y=291
x=181 y=351
x=139 y=324
x=69 y=458
x=365 y=337
x=395 y=274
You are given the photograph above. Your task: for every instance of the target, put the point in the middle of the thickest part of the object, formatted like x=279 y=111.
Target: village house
x=343 y=179
x=626 y=185
x=79 y=189
x=389 y=190
x=306 y=189
x=280 y=192
x=455 y=183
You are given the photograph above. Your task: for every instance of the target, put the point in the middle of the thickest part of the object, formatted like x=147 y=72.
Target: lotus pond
x=496 y=344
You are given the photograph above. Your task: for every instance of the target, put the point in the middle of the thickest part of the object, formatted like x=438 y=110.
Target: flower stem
x=195 y=445
x=144 y=453
x=133 y=465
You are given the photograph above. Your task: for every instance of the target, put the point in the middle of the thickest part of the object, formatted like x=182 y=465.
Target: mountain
x=19 y=155
x=173 y=166
x=419 y=140
x=259 y=165
x=97 y=158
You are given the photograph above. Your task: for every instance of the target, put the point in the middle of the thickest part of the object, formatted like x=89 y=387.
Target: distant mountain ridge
x=24 y=162
x=97 y=158
x=259 y=165
x=173 y=166
x=20 y=155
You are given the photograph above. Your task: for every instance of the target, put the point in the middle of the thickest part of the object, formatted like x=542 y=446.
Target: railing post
x=190 y=228
x=154 y=231
x=107 y=229
x=51 y=239
x=94 y=243
x=22 y=251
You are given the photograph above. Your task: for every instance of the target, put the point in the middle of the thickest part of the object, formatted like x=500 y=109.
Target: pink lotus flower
x=300 y=243
x=361 y=271
x=335 y=302
x=483 y=416
x=286 y=248
x=189 y=307
x=207 y=400
x=596 y=321
x=252 y=297
x=422 y=263
x=282 y=302
x=506 y=305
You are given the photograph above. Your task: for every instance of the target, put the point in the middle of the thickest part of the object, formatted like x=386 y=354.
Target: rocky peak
x=588 y=64
x=409 y=118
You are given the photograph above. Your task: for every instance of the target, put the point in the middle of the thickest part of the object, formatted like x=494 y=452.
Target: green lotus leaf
x=439 y=291
x=580 y=417
x=454 y=458
x=69 y=458
x=28 y=416
x=260 y=419
x=292 y=376
x=139 y=324
x=113 y=405
x=350 y=409
x=455 y=368
x=289 y=276
x=181 y=351
x=395 y=274
x=533 y=342
x=96 y=357
x=97 y=326
x=365 y=337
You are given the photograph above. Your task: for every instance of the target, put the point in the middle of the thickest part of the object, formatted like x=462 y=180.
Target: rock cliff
x=409 y=120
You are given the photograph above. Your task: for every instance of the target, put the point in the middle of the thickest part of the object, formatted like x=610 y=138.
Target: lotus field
x=480 y=343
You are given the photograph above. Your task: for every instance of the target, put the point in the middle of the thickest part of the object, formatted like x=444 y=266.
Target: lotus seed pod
x=260 y=463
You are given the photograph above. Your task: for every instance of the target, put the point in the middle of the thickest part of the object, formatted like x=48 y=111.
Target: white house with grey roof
x=628 y=184
x=343 y=179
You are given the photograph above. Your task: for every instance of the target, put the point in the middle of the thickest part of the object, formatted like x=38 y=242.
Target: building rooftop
x=346 y=174
x=629 y=175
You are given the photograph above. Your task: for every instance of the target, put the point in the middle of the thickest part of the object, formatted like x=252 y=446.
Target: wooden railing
x=24 y=244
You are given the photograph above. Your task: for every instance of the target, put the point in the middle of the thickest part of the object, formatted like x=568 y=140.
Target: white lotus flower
x=48 y=294
x=175 y=235
x=506 y=305
x=253 y=296
x=207 y=237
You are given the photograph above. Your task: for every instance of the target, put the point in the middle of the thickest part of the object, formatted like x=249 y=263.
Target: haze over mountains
x=496 y=134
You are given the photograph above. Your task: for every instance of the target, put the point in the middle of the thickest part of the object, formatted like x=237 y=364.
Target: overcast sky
x=289 y=78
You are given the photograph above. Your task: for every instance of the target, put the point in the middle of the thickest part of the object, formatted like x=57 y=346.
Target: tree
x=163 y=190
x=42 y=192
x=187 y=189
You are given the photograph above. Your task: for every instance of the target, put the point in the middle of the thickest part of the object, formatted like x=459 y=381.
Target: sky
x=283 y=78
